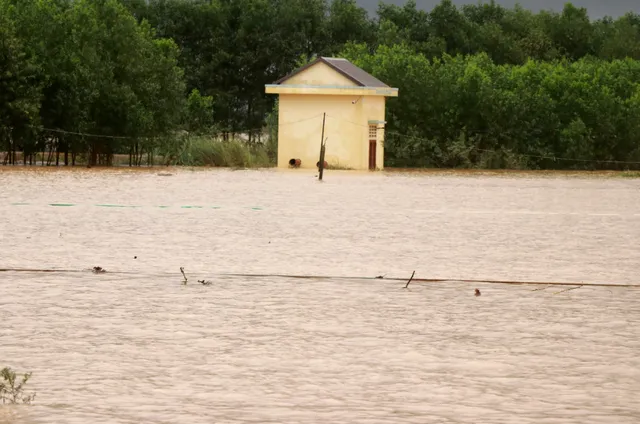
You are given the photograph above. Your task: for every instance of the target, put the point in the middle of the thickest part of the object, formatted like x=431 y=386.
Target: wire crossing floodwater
x=136 y=345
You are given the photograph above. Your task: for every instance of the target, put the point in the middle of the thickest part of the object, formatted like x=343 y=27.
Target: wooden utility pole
x=321 y=163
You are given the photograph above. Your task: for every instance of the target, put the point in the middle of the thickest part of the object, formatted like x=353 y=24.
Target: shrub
x=11 y=391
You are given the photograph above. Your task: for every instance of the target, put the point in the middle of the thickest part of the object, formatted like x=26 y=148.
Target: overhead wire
x=237 y=131
x=138 y=275
x=554 y=158
x=131 y=274
x=394 y=133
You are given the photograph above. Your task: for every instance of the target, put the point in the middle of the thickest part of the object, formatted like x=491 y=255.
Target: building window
x=373 y=132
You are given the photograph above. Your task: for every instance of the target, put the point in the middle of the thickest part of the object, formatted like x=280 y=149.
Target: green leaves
x=19 y=87
x=199 y=114
x=467 y=111
x=12 y=389
x=480 y=85
x=94 y=69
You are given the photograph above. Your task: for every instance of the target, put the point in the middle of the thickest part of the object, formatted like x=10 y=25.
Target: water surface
x=135 y=345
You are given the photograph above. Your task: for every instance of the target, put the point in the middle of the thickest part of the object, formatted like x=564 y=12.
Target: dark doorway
x=372 y=154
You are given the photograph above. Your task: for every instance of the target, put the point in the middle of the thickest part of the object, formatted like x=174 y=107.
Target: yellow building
x=352 y=103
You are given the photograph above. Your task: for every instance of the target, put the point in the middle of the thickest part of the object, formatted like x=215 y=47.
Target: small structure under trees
x=349 y=100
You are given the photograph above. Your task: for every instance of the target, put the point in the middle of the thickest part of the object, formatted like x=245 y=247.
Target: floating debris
x=478 y=292
x=569 y=289
x=98 y=270
x=205 y=282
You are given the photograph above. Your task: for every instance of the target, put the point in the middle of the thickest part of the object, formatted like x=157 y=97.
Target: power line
x=239 y=131
x=394 y=133
x=136 y=275
x=555 y=158
x=82 y=134
x=569 y=159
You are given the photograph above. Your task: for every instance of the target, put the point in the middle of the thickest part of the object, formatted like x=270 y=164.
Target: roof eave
x=298 y=70
x=304 y=89
x=326 y=62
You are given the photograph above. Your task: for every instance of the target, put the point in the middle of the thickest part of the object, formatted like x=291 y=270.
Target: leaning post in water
x=410 y=279
x=183 y=275
x=322 y=145
x=322 y=150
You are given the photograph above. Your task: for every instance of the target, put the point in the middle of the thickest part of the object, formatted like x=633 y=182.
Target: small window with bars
x=373 y=132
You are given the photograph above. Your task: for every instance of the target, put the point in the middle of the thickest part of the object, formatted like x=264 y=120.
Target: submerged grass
x=630 y=174
x=512 y=173
x=336 y=165
x=205 y=151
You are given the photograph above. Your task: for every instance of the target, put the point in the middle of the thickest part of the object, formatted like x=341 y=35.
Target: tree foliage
x=480 y=85
x=96 y=70
x=19 y=91
x=470 y=111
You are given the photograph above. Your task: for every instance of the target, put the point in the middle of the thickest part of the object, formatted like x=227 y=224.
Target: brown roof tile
x=344 y=67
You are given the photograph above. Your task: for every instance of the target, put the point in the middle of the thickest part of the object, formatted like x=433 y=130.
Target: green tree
x=348 y=22
x=199 y=113
x=571 y=31
x=19 y=89
x=480 y=114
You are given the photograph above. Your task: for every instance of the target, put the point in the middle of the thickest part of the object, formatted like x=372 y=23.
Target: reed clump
x=207 y=151
x=630 y=174
x=337 y=166
x=12 y=387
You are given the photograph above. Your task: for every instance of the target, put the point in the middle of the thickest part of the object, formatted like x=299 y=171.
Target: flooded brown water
x=134 y=345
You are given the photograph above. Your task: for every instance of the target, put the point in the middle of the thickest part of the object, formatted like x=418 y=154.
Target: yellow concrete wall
x=346 y=129
x=304 y=98
x=320 y=74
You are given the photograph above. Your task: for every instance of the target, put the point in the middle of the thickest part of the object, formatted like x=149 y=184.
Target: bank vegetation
x=182 y=81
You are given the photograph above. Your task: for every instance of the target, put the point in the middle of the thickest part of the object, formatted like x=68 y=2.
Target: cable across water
x=330 y=277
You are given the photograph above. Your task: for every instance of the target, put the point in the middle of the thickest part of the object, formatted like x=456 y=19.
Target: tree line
x=480 y=85
x=468 y=111
x=77 y=67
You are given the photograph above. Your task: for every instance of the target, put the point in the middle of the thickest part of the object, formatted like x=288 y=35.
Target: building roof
x=344 y=67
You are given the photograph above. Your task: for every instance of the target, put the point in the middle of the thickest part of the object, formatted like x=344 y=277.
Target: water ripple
x=142 y=347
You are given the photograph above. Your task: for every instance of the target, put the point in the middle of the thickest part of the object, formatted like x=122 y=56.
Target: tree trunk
x=66 y=154
x=93 y=155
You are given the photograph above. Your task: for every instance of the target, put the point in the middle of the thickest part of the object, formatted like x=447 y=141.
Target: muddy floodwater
x=135 y=345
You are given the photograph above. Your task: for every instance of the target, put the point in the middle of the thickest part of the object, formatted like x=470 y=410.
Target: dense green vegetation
x=85 y=66
x=469 y=111
x=480 y=85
